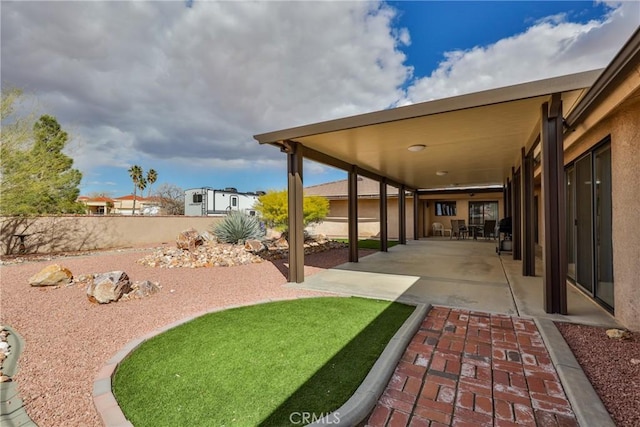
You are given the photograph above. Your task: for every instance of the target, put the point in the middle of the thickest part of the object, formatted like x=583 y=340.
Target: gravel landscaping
x=68 y=339
x=612 y=366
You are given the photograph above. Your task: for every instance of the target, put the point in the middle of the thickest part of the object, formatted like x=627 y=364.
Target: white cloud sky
x=551 y=47
x=192 y=85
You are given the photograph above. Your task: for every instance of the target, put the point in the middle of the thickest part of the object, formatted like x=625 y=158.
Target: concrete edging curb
x=586 y=403
x=368 y=392
x=13 y=412
x=356 y=409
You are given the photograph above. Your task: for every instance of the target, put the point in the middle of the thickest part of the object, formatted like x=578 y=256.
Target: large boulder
x=52 y=275
x=189 y=239
x=107 y=287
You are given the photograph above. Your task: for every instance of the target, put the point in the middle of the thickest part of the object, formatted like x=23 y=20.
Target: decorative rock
x=142 y=289
x=635 y=361
x=52 y=275
x=4 y=347
x=282 y=243
x=4 y=379
x=189 y=240
x=254 y=246
x=618 y=334
x=107 y=287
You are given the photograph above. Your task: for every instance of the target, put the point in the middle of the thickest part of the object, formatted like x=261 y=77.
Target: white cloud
x=161 y=80
x=552 y=47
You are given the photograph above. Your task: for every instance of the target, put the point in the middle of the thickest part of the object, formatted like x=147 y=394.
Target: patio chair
x=438 y=229
x=489 y=229
x=459 y=229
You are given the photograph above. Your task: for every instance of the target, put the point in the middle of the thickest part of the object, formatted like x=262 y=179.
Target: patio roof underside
x=475 y=138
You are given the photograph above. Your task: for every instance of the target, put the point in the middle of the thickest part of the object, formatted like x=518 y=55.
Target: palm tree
x=152 y=176
x=135 y=172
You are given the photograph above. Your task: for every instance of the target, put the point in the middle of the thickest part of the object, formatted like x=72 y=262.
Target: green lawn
x=370 y=243
x=257 y=365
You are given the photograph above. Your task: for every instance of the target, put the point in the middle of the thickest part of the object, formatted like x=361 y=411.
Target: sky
x=182 y=86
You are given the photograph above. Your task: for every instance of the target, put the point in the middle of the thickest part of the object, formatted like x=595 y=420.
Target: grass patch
x=257 y=365
x=370 y=243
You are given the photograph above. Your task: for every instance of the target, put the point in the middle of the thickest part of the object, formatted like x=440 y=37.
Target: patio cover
x=477 y=138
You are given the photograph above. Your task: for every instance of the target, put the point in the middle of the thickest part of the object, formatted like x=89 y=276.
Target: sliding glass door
x=589 y=241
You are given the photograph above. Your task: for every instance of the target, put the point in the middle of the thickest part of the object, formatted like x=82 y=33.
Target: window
x=197 y=198
x=446 y=209
x=479 y=212
x=234 y=202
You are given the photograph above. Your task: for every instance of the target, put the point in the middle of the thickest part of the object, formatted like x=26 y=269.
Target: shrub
x=273 y=207
x=238 y=227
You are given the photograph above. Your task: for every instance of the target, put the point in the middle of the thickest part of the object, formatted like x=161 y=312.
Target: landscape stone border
x=12 y=412
x=366 y=395
x=585 y=402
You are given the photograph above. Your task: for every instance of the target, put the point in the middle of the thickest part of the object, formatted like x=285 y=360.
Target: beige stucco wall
x=624 y=128
x=462 y=208
x=336 y=224
x=74 y=233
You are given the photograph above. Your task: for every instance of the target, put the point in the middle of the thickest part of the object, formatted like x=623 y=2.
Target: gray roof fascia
x=478 y=99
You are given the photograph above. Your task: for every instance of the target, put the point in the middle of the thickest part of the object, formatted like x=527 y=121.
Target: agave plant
x=238 y=227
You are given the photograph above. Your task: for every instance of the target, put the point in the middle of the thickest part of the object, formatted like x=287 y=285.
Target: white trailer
x=207 y=201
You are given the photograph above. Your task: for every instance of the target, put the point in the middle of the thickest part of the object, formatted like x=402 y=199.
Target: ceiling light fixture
x=441 y=173
x=417 y=147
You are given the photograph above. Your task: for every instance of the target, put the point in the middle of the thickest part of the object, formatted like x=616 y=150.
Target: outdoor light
x=417 y=147
x=441 y=173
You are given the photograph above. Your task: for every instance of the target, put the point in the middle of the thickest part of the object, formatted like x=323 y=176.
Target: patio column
x=353 y=214
x=295 y=199
x=528 y=244
x=416 y=216
x=402 y=216
x=516 y=218
x=384 y=235
x=553 y=191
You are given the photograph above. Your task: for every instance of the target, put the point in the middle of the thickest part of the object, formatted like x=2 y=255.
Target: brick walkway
x=465 y=368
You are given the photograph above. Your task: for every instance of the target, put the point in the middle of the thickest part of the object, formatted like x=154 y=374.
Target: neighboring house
x=124 y=205
x=100 y=205
x=474 y=205
x=207 y=201
x=566 y=151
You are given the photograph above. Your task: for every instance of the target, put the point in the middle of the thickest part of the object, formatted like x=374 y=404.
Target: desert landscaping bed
x=68 y=338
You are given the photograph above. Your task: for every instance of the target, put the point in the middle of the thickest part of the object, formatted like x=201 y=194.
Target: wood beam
x=528 y=244
x=296 y=224
x=555 y=253
x=353 y=214
x=416 y=216
x=384 y=235
x=402 y=216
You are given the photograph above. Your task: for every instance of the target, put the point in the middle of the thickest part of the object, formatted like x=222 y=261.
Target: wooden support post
x=416 y=216
x=296 y=218
x=402 y=216
x=353 y=214
x=555 y=251
x=384 y=235
x=528 y=244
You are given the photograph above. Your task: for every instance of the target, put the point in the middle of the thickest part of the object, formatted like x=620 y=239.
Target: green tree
x=137 y=176
x=152 y=176
x=36 y=176
x=273 y=207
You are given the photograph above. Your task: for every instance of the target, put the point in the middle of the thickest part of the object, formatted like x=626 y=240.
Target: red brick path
x=465 y=368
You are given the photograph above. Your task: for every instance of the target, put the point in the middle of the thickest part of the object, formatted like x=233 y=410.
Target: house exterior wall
x=624 y=128
x=76 y=233
x=336 y=223
x=462 y=208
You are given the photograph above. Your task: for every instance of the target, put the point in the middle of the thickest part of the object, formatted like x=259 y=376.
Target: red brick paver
x=467 y=368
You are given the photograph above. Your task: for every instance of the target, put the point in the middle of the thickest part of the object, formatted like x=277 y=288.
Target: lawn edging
x=360 y=405
x=12 y=412
x=351 y=412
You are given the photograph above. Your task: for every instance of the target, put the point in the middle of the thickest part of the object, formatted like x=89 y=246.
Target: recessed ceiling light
x=441 y=173
x=417 y=147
